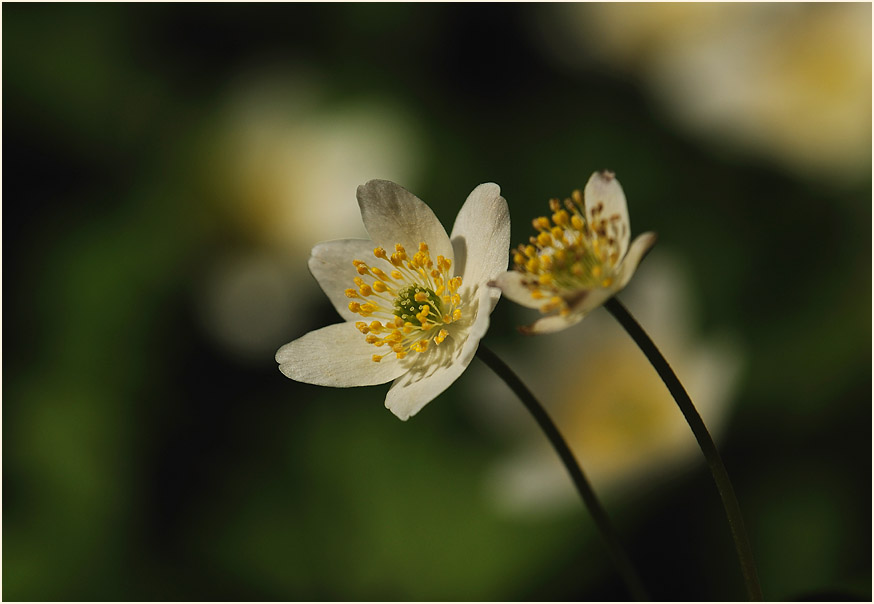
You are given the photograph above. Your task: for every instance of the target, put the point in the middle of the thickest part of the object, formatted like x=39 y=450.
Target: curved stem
x=620 y=558
x=711 y=454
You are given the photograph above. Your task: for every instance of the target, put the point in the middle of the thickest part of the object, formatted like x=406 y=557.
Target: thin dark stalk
x=602 y=521
x=711 y=454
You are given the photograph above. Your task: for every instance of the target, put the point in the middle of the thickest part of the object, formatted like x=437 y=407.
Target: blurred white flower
x=784 y=80
x=425 y=315
x=608 y=402
x=285 y=162
x=579 y=259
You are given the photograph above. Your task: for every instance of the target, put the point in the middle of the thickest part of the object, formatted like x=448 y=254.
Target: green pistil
x=407 y=308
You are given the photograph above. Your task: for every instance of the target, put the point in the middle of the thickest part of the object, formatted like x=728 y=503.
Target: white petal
x=642 y=244
x=337 y=355
x=552 y=323
x=392 y=215
x=510 y=283
x=331 y=265
x=481 y=238
x=585 y=302
x=603 y=188
x=439 y=367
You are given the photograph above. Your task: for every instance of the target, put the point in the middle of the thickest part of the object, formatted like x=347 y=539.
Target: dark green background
x=142 y=462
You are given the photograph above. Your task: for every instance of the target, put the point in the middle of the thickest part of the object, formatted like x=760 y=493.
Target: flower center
x=412 y=301
x=570 y=253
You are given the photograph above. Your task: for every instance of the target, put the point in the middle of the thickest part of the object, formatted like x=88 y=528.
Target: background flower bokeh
x=167 y=168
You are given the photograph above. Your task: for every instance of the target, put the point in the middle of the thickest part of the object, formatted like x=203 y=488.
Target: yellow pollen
x=540 y=223
x=441 y=336
x=362 y=327
x=380 y=253
x=396 y=275
x=577 y=222
x=577 y=196
x=365 y=290
x=354 y=306
x=379 y=286
x=518 y=258
x=456 y=314
x=351 y=293
x=377 y=358
x=561 y=218
x=544 y=238
x=376 y=326
x=558 y=233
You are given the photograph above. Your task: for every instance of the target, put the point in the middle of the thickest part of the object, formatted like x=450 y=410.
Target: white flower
x=579 y=259
x=423 y=297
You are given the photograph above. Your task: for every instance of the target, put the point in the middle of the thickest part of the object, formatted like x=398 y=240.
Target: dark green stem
x=711 y=454
x=620 y=558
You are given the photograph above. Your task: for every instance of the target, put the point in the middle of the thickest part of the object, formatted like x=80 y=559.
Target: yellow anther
x=351 y=293
x=368 y=308
x=532 y=265
x=560 y=256
x=397 y=348
x=423 y=247
x=397 y=275
x=577 y=222
x=394 y=336
x=596 y=271
x=541 y=222
x=400 y=251
x=362 y=269
x=441 y=336
x=365 y=290
x=380 y=253
x=454 y=283
x=372 y=339
x=456 y=314
x=537 y=294
x=355 y=307
x=561 y=218
x=362 y=327
x=456 y=299
x=607 y=282
x=435 y=273
x=379 y=286
x=421 y=346
x=377 y=358
x=421 y=297
x=396 y=260
x=408 y=327
x=446 y=299
x=558 y=233
x=398 y=322
x=544 y=238
x=545 y=278
x=577 y=196
x=530 y=251
x=400 y=355
x=519 y=259
x=546 y=262
x=376 y=326
x=554 y=204
x=359 y=281
x=577 y=269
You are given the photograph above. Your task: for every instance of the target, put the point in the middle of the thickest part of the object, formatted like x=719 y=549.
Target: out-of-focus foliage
x=166 y=168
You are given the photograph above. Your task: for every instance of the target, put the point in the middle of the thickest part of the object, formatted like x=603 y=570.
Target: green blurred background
x=167 y=168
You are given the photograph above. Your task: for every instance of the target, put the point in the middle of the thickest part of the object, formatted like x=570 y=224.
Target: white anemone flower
x=579 y=259
x=415 y=301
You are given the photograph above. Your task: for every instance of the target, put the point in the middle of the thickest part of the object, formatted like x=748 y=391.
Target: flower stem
x=711 y=454
x=620 y=558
